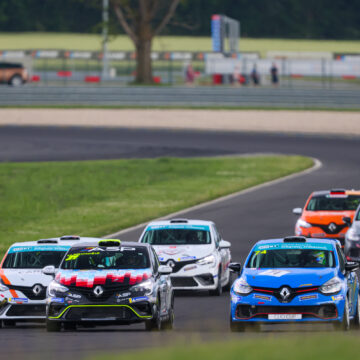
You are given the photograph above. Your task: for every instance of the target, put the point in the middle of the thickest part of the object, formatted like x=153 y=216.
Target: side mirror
x=223 y=244
x=297 y=211
x=347 y=220
x=164 y=270
x=235 y=267
x=351 y=266
x=49 y=270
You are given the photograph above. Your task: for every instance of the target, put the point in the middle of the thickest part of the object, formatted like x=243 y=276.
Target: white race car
x=22 y=282
x=195 y=251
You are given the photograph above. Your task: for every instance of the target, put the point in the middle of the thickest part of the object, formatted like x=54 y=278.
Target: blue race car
x=295 y=279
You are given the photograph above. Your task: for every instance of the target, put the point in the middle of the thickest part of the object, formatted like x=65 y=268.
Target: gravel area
x=324 y=122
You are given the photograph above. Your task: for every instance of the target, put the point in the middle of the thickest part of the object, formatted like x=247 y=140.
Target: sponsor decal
x=137 y=299
x=17 y=249
x=178 y=226
x=236 y=298
x=337 y=297
x=55 y=299
x=185 y=258
x=18 y=300
x=308 y=297
x=273 y=272
x=75 y=296
x=126 y=294
x=161 y=258
x=76 y=255
x=295 y=246
x=303 y=285
x=262 y=297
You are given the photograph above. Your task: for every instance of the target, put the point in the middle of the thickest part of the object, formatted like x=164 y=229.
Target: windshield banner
x=298 y=246
x=17 y=249
x=178 y=226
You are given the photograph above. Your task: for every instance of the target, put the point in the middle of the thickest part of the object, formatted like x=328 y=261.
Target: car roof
x=327 y=192
x=181 y=221
x=61 y=241
x=123 y=243
x=308 y=240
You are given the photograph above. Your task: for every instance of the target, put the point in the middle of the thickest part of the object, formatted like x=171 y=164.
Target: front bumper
x=312 y=307
x=316 y=232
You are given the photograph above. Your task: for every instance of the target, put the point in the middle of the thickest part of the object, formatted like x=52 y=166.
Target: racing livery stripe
x=6 y=281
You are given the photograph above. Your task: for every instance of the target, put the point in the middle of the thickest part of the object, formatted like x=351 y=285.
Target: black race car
x=109 y=282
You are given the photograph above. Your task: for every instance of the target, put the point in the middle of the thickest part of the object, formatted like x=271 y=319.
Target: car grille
x=183 y=281
x=28 y=292
x=26 y=310
x=99 y=313
x=326 y=229
x=325 y=312
x=179 y=264
x=89 y=292
x=293 y=292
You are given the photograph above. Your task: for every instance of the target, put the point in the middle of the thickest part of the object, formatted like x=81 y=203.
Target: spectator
x=274 y=74
x=189 y=75
x=255 y=76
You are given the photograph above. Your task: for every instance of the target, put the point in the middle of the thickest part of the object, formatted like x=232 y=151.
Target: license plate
x=284 y=316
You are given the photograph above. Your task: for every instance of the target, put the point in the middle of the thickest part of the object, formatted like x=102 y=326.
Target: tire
x=227 y=287
x=70 y=326
x=218 y=290
x=344 y=324
x=356 y=321
x=9 y=323
x=154 y=324
x=53 y=326
x=16 y=80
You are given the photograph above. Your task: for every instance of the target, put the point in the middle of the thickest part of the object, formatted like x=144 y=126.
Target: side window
x=341 y=258
x=155 y=260
x=147 y=237
x=217 y=236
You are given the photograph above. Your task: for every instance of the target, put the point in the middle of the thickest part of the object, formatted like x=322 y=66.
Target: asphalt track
x=242 y=220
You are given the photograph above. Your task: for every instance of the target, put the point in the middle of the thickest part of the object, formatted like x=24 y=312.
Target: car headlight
x=303 y=224
x=352 y=235
x=241 y=287
x=207 y=260
x=146 y=286
x=331 y=287
x=54 y=287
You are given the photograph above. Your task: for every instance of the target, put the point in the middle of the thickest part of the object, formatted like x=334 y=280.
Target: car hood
x=182 y=252
x=24 y=277
x=90 y=278
x=356 y=227
x=294 y=278
x=326 y=217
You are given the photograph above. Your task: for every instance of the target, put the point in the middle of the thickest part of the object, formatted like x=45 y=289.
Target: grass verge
x=94 y=198
x=39 y=40
x=274 y=347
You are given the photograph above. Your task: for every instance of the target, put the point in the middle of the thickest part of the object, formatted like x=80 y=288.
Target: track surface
x=242 y=220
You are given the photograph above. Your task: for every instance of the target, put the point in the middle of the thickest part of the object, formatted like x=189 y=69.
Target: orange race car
x=324 y=213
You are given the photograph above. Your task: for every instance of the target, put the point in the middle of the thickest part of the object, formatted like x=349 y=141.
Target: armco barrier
x=178 y=96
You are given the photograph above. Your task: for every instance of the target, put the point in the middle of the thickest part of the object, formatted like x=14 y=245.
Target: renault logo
x=171 y=263
x=37 y=289
x=285 y=293
x=332 y=227
x=98 y=291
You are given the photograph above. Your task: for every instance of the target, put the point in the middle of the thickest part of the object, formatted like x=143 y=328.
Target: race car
x=295 y=279
x=194 y=250
x=352 y=237
x=22 y=283
x=110 y=283
x=322 y=216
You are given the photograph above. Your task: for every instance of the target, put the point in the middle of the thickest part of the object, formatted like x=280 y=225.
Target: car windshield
x=33 y=259
x=291 y=258
x=333 y=203
x=177 y=237
x=97 y=258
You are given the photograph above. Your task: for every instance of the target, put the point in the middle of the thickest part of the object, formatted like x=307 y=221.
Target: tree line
x=319 y=19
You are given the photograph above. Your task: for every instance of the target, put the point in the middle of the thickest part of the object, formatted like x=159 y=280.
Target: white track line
x=317 y=165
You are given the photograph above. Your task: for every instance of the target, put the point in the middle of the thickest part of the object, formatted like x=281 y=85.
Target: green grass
x=99 y=197
x=165 y=43
x=274 y=347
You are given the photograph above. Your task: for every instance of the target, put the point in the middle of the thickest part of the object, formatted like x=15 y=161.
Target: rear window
x=333 y=203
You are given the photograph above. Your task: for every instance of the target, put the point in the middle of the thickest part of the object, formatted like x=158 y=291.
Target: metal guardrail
x=178 y=96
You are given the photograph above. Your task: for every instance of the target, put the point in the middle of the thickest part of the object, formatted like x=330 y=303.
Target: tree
x=142 y=20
